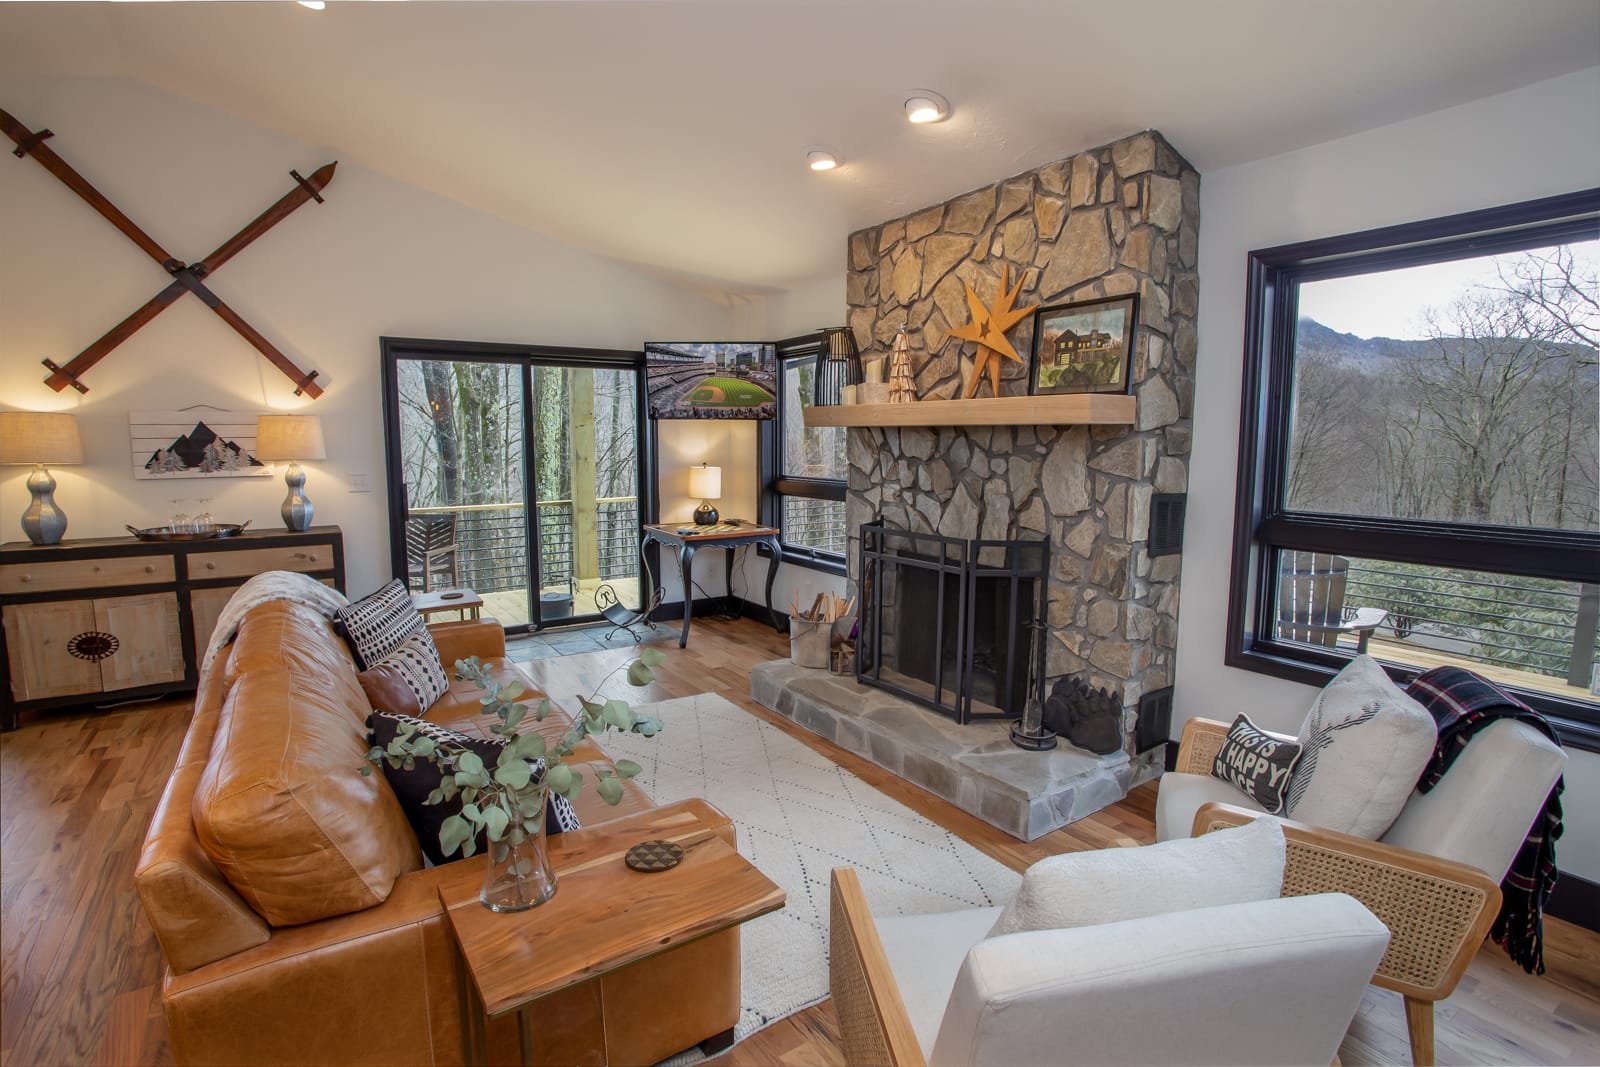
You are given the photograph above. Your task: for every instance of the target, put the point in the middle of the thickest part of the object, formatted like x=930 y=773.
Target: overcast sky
x=1393 y=303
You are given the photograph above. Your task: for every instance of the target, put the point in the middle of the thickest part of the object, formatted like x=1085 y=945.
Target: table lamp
x=40 y=437
x=706 y=483
x=292 y=437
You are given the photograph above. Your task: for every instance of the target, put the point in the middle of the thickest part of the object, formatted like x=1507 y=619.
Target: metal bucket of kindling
x=809 y=643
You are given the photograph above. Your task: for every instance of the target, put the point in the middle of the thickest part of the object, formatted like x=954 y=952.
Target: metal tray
x=166 y=533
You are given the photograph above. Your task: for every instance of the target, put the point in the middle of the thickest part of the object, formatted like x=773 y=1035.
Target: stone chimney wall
x=1123 y=218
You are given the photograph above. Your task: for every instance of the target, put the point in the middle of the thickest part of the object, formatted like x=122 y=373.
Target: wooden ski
x=186 y=278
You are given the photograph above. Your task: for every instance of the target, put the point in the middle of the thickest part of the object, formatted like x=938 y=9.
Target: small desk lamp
x=292 y=437
x=40 y=437
x=706 y=483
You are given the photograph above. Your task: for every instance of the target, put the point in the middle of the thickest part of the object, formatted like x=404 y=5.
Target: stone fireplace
x=1120 y=219
x=1123 y=218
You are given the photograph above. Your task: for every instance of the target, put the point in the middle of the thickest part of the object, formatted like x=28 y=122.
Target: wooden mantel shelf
x=1075 y=409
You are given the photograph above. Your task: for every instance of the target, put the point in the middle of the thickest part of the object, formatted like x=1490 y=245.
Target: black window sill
x=804 y=557
x=1574 y=725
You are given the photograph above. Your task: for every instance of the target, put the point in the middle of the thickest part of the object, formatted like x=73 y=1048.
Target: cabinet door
x=206 y=606
x=149 y=642
x=45 y=660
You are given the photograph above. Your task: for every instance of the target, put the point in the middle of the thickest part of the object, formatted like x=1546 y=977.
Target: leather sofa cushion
x=282 y=808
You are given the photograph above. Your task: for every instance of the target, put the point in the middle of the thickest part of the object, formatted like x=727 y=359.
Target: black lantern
x=838 y=365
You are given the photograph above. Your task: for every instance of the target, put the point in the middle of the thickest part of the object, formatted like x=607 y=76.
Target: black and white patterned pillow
x=377 y=624
x=1257 y=764
x=416 y=664
x=412 y=787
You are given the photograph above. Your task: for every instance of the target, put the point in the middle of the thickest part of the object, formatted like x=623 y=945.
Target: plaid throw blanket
x=1462 y=704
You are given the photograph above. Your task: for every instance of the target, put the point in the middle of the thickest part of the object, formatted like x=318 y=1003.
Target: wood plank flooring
x=80 y=969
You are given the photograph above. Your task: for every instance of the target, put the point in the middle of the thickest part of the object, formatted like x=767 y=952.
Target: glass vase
x=518 y=877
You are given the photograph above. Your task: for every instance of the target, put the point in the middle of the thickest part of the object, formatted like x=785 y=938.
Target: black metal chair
x=431 y=551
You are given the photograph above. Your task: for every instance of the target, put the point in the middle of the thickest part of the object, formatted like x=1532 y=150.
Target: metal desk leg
x=772 y=576
x=685 y=560
x=728 y=555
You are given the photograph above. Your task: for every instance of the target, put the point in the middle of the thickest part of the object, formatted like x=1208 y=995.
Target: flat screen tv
x=712 y=380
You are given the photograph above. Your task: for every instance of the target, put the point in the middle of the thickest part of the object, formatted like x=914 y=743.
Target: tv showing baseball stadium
x=712 y=380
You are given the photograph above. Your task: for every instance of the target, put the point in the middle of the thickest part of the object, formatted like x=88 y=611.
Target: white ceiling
x=672 y=134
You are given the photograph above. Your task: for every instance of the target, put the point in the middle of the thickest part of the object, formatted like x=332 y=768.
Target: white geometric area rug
x=799 y=816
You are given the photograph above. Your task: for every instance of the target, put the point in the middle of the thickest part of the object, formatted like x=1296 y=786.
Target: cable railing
x=815 y=524
x=491 y=542
x=1530 y=624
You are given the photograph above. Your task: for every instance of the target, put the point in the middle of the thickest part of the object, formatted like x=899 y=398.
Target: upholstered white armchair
x=1441 y=861
x=1270 y=981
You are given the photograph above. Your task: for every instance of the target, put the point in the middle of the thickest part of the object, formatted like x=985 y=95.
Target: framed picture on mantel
x=1085 y=347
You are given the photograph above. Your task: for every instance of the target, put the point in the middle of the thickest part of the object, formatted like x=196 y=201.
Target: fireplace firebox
x=952 y=623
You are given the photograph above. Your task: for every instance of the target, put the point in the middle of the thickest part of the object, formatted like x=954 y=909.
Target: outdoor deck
x=510 y=606
x=1396 y=651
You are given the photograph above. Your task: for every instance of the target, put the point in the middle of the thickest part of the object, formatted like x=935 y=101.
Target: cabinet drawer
x=253 y=561
x=85 y=574
x=39 y=638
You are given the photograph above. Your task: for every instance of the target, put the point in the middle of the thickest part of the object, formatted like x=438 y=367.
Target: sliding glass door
x=515 y=472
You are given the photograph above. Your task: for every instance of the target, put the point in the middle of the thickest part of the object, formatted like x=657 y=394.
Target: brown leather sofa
x=289 y=895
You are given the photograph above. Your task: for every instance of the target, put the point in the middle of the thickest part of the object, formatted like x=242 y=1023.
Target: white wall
x=1538 y=141
x=378 y=258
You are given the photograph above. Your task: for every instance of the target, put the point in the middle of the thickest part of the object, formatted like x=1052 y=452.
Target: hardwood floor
x=80 y=970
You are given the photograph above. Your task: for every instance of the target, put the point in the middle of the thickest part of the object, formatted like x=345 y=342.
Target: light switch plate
x=360 y=483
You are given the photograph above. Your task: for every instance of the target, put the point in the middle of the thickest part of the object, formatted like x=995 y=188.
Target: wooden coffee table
x=603 y=917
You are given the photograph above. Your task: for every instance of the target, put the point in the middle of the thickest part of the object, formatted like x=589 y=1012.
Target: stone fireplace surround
x=1119 y=219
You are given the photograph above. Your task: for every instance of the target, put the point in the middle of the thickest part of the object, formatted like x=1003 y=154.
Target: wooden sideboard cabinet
x=116 y=618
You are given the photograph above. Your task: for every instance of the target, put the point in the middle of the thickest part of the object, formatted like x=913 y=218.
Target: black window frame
x=775 y=484
x=1264 y=525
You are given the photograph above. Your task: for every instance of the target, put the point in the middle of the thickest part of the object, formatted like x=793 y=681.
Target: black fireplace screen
x=952 y=623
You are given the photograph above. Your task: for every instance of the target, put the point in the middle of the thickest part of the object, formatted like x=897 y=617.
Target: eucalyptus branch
x=507 y=802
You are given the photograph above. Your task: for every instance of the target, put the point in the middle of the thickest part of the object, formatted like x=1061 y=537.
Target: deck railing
x=491 y=540
x=1547 y=627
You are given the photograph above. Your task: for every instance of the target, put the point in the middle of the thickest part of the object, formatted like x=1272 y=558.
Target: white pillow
x=1363 y=744
x=1109 y=885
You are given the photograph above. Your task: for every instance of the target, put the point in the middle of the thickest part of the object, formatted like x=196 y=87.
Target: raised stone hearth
x=975 y=767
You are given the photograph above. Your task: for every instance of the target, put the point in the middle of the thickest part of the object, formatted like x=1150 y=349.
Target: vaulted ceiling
x=672 y=134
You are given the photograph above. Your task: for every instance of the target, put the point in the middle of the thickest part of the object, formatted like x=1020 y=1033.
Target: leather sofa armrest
x=1437 y=911
x=484 y=638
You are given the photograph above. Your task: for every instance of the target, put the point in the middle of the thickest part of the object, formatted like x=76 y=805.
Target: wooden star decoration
x=988 y=330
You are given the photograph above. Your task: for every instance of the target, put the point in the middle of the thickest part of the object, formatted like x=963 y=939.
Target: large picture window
x=1418 y=454
x=804 y=468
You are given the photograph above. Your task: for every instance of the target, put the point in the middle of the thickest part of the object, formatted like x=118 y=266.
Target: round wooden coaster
x=652 y=856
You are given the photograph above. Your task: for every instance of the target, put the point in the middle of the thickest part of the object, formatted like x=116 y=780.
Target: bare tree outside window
x=1488 y=413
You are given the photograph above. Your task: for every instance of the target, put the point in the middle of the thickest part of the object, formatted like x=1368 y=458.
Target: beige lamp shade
x=705 y=482
x=290 y=437
x=48 y=437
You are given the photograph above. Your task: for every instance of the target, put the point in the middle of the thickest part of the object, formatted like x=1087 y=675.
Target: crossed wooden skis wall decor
x=187 y=277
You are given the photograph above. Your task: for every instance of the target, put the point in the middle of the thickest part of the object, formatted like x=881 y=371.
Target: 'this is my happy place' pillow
x=1257 y=763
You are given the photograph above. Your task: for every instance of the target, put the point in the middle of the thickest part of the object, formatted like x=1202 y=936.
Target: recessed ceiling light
x=817 y=159
x=315 y=5
x=925 y=105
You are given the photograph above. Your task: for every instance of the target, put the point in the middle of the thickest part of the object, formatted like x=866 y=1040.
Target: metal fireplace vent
x=1166 y=524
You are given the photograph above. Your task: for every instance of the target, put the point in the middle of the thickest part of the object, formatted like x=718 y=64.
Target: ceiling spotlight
x=817 y=159
x=315 y=5
x=925 y=105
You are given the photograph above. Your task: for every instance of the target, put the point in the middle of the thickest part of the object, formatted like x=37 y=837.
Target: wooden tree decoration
x=902 y=390
x=988 y=328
